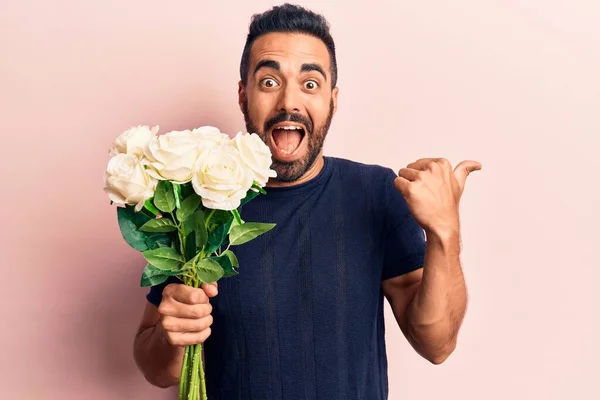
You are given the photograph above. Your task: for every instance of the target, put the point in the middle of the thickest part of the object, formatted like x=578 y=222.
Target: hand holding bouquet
x=179 y=196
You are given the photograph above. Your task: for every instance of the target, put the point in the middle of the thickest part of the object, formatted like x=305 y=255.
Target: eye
x=311 y=85
x=269 y=83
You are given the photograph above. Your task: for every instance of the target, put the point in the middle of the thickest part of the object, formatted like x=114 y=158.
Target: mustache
x=287 y=117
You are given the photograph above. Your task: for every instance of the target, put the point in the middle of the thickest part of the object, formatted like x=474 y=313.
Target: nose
x=289 y=100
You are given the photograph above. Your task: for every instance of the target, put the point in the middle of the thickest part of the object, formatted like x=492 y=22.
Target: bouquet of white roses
x=179 y=196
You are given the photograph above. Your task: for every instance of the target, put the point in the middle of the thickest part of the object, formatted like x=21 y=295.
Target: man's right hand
x=185 y=313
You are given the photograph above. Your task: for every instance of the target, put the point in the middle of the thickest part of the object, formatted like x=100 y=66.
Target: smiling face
x=289 y=102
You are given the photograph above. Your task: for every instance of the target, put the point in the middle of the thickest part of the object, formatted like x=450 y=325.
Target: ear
x=334 y=98
x=241 y=95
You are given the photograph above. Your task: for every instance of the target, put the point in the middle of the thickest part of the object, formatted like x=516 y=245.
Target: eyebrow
x=314 y=67
x=275 y=65
x=267 y=64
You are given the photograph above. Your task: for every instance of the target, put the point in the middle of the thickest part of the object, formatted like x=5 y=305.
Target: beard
x=291 y=171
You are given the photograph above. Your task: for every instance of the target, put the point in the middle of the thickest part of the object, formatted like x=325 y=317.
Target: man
x=304 y=318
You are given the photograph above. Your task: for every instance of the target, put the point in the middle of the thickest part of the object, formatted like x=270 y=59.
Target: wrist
x=445 y=238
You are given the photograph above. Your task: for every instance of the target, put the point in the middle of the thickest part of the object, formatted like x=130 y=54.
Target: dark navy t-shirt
x=304 y=317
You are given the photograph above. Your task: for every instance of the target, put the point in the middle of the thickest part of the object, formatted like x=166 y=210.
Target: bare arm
x=429 y=304
x=183 y=318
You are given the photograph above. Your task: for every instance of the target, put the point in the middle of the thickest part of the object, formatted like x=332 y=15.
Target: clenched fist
x=185 y=313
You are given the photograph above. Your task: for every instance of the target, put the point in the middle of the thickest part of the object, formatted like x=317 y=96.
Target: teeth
x=290 y=128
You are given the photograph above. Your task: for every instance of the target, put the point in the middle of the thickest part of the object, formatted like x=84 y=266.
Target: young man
x=304 y=318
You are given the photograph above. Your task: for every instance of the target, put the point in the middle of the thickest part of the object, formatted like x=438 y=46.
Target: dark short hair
x=288 y=18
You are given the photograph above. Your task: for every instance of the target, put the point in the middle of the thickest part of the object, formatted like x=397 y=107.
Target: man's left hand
x=432 y=190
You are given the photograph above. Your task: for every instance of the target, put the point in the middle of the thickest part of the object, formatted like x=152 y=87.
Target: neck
x=312 y=173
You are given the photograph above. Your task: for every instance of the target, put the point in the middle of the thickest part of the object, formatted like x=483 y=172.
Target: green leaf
x=187 y=189
x=190 y=245
x=230 y=273
x=249 y=196
x=188 y=207
x=189 y=225
x=158 y=240
x=164 y=258
x=164 y=198
x=159 y=225
x=217 y=237
x=248 y=231
x=209 y=270
x=221 y=217
x=149 y=207
x=154 y=280
x=129 y=222
x=199 y=229
x=225 y=263
x=232 y=258
x=152 y=276
x=235 y=223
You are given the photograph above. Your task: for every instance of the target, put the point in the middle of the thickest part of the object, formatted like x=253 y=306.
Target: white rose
x=127 y=182
x=221 y=178
x=133 y=141
x=211 y=133
x=172 y=156
x=209 y=137
x=256 y=155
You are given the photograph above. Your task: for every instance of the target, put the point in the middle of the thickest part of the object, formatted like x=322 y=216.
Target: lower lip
x=280 y=155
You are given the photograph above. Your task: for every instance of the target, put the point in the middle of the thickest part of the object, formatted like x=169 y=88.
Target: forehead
x=290 y=50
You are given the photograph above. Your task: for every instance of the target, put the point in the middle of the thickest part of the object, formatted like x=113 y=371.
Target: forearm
x=159 y=361
x=435 y=313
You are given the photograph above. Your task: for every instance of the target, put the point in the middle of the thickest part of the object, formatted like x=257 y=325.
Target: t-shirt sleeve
x=404 y=239
x=154 y=295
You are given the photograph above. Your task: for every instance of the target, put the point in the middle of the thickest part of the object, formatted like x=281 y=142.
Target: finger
x=409 y=174
x=185 y=294
x=174 y=325
x=211 y=289
x=402 y=184
x=421 y=164
x=180 y=310
x=188 y=338
x=463 y=170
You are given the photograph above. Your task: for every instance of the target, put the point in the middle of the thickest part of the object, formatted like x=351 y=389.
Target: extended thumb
x=463 y=170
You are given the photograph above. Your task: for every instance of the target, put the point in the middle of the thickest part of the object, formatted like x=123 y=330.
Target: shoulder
x=375 y=182
x=374 y=177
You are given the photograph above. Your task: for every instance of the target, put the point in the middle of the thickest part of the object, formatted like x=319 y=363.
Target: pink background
x=513 y=84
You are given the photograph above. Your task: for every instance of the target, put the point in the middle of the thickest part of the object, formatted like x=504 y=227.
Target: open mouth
x=287 y=138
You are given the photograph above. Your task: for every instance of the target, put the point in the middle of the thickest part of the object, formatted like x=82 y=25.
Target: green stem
x=237 y=216
x=193 y=385
x=181 y=233
x=196 y=384
x=181 y=241
x=183 y=382
x=201 y=373
x=212 y=212
x=191 y=382
x=177 y=193
x=259 y=188
x=185 y=370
